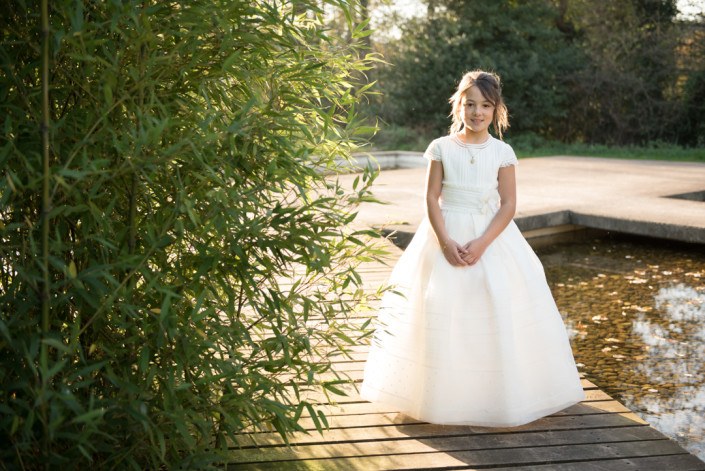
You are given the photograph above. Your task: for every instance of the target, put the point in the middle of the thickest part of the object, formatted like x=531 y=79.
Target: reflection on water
x=635 y=310
x=676 y=353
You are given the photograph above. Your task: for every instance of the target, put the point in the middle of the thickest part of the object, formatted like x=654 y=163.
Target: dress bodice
x=470 y=172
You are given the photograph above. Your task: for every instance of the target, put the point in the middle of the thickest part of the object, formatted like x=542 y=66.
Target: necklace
x=472 y=154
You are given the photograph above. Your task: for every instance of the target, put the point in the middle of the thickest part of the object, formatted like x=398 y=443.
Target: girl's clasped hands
x=463 y=255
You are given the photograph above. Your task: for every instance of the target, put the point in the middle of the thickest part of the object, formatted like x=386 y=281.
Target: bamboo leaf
x=89 y=416
x=73 y=272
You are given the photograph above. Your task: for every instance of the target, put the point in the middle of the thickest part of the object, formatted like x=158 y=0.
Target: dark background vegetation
x=607 y=72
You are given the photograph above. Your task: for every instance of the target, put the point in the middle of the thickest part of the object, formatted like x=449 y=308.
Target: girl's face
x=476 y=111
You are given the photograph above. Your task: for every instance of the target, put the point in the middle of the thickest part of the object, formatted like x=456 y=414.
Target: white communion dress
x=482 y=345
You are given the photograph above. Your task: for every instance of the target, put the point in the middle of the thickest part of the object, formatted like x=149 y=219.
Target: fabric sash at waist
x=470 y=200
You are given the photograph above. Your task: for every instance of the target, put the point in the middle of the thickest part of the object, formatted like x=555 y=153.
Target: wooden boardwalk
x=597 y=434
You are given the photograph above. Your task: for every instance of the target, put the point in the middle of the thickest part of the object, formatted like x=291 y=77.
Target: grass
x=651 y=152
x=400 y=138
x=392 y=137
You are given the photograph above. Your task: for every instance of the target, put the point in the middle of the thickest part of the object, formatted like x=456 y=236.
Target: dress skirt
x=483 y=345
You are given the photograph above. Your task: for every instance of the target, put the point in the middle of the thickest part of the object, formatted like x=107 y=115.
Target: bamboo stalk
x=46 y=208
x=134 y=184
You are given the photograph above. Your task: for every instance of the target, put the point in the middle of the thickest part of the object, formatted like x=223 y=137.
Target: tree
x=518 y=40
x=626 y=93
x=189 y=271
x=691 y=67
x=607 y=72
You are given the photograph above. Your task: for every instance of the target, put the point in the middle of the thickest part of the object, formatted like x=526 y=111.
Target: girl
x=471 y=335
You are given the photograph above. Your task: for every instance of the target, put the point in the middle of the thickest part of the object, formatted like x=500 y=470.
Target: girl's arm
x=508 y=194
x=452 y=251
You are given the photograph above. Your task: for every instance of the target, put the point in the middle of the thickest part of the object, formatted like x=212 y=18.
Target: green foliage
x=515 y=39
x=625 y=73
x=534 y=145
x=202 y=269
x=626 y=93
x=692 y=130
x=527 y=145
x=395 y=137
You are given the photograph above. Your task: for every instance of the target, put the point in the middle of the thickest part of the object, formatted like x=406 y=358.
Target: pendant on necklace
x=472 y=158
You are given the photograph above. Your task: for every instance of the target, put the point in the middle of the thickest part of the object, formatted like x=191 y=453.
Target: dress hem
x=527 y=418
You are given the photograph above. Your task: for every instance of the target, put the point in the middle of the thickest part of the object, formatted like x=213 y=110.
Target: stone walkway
x=630 y=196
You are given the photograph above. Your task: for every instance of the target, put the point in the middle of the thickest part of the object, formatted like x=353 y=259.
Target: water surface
x=635 y=311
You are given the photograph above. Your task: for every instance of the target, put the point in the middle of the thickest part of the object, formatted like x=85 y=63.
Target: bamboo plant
x=179 y=261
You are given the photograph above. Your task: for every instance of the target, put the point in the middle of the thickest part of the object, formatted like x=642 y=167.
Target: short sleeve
x=507 y=156
x=433 y=152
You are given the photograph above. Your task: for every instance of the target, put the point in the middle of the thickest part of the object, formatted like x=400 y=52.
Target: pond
x=635 y=312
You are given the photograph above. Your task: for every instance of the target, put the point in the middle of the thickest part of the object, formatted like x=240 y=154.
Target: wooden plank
x=451 y=443
x=528 y=456
x=394 y=418
x=356 y=414
x=595 y=407
x=649 y=463
x=363 y=407
x=419 y=430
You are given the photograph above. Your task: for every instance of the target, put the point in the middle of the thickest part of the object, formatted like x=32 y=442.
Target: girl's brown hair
x=489 y=85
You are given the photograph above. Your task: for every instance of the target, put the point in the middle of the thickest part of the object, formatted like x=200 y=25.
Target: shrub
x=395 y=137
x=189 y=271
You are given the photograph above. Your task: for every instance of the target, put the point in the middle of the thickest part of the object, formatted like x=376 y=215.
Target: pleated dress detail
x=482 y=345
